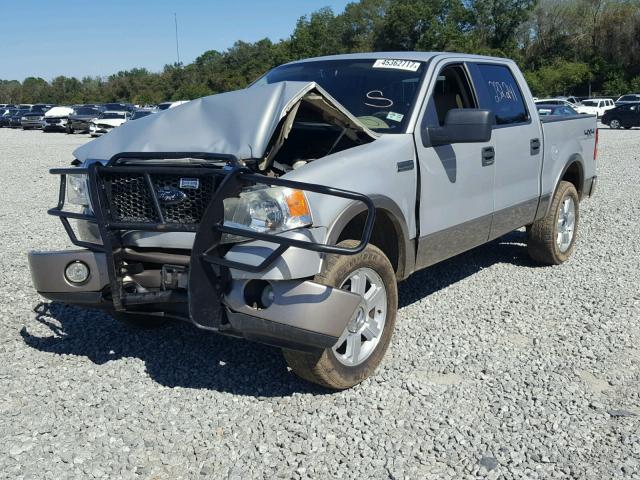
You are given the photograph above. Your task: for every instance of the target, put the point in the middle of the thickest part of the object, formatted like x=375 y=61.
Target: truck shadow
x=179 y=355
x=510 y=248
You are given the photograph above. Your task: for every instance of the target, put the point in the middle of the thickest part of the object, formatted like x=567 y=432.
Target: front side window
x=452 y=90
x=503 y=94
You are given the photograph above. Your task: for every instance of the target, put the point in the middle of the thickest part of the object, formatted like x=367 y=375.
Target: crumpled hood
x=239 y=123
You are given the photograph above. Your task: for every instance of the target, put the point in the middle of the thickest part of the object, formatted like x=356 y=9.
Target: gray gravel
x=498 y=369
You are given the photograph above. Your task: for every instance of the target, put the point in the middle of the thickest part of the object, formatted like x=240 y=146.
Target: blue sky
x=78 y=37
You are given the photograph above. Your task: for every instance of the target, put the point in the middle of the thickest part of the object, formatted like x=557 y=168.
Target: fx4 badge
x=589 y=132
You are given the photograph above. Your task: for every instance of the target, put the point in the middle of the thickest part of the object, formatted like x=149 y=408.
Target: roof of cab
x=415 y=56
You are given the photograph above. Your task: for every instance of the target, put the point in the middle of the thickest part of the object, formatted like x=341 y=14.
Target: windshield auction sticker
x=397 y=64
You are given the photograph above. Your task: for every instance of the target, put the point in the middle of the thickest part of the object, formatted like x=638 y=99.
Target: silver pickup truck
x=287 y=212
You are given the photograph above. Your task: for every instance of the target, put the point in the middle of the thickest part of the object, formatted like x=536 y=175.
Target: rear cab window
x=499 y=92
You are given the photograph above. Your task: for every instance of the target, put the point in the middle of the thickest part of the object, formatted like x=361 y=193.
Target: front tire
x=364 y=342
x=552 y=239
x=615 y=124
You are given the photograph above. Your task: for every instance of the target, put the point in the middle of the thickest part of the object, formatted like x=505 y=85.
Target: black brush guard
x=208 y=271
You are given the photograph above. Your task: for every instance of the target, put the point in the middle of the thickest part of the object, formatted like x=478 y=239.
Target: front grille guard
x=202 y=277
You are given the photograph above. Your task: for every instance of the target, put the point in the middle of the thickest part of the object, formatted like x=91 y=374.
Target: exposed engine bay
x=312 y=129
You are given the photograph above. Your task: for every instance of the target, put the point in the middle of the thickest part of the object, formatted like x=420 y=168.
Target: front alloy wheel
x=364 y=341
x=364 y=330
x=615 y=124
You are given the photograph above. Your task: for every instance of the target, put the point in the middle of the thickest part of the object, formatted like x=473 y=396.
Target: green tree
x=558 y=78
x=422 y=25
x=10 y=91
x=615 y=85
x=315 y=35
x=35 y=89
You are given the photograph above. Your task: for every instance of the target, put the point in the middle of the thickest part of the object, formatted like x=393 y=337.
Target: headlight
x=77 y=191
x=266 y=210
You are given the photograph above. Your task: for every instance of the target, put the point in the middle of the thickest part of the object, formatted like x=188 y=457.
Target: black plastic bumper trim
x=277 y=334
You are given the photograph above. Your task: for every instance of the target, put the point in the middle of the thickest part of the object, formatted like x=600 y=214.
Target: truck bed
x=566 y=137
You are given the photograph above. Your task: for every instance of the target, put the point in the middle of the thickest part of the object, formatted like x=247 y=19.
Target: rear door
x=517 y=136
x=456 y=181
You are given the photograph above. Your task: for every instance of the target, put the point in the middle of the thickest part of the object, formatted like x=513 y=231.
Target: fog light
x=259 y=294
x=77 y=272
x=268 y=296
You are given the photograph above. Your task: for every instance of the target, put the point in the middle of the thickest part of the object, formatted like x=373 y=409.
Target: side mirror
x=461 y=125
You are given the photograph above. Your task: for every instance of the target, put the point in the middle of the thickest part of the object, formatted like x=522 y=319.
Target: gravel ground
x=498 y=368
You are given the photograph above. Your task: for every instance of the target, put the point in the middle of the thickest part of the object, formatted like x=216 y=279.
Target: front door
x=456 y=181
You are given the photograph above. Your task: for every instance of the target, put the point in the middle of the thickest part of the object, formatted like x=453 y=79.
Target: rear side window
x=504 y=97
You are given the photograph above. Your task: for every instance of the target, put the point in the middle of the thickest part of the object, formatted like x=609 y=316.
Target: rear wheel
x=615 y=124
x=551 y=239
x=366 y=337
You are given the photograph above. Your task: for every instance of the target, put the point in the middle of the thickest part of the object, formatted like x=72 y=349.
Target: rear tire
x=141 y=321
x=333 y=368
x=552 y=239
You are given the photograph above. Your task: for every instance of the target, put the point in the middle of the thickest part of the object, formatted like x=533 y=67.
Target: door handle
x=488 y=156
x=535 y=146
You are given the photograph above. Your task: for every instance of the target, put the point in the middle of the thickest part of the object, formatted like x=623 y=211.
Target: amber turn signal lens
x=297 y=203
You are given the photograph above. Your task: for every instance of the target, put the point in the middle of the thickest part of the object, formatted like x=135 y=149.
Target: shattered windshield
x=380 y=93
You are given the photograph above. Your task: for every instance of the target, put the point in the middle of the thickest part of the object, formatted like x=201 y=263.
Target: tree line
x=577 y=47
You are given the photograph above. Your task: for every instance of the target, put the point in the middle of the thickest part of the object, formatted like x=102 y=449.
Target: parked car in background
x=140 y=113
x=562 y=110
x=32 y=119
x=595 y=106
x=5 y=117
x=15 y=121
x=628 y=98
x=41 y=107
x=35 y=116
x=80 y=119
x=56 y=118
x=572 y=101
x=168 y=105
x=623 y=116
x=118 y=107
x=554 y=101
x=106 y=122
x=25 y=106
